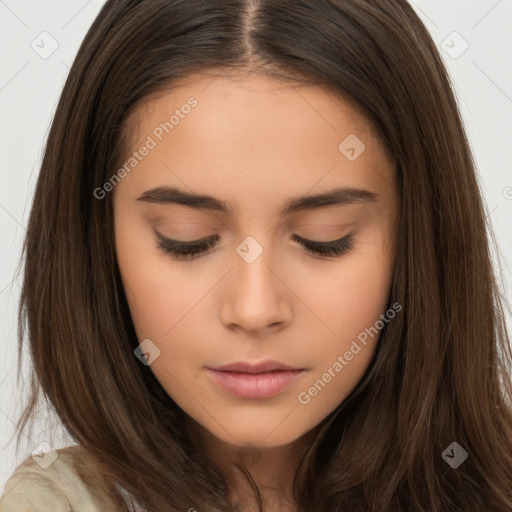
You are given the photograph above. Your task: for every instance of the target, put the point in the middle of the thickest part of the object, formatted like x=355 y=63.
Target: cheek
x=349 y=298
x=159 y=300
x=157 y=293
x=350 y=308
x=349 y=295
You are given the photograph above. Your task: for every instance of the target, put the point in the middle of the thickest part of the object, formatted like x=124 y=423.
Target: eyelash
x=192 y=250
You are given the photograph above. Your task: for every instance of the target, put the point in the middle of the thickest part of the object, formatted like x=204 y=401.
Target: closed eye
x=191 y=250
x=327 y=249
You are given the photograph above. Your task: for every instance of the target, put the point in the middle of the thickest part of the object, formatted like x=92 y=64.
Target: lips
x=255 y=368
x=255 y=380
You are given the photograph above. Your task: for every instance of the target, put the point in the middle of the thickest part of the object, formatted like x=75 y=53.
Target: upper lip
x=263 y=367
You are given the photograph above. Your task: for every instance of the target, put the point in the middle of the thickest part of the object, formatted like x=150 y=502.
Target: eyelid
x=192 y=243
x=324 y=242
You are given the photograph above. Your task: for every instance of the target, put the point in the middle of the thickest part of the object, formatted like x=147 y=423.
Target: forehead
x=252 y=96
x=253 y=131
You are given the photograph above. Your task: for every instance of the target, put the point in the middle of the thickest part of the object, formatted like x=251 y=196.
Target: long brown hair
x=440 y=373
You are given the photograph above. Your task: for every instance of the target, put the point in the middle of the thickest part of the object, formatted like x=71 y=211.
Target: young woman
x=258 y=273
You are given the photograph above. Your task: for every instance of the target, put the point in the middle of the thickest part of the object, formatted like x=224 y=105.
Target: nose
x=256 y=297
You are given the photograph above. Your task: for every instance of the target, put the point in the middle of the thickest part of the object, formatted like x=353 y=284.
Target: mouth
x=255 y=368
x=255 y=381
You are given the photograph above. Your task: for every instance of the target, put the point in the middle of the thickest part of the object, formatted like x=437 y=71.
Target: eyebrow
x=338 y=196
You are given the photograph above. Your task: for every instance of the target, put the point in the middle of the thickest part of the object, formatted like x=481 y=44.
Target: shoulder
x=63 y=480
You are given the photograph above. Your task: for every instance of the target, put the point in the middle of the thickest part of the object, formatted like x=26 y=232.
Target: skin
x=256 y=142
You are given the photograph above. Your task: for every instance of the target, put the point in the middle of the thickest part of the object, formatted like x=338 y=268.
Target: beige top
x=60 y=481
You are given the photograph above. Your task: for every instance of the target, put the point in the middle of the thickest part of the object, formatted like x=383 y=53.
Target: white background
x=30 y=87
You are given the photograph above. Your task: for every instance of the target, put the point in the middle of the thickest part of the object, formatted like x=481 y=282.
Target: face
x=277 y=274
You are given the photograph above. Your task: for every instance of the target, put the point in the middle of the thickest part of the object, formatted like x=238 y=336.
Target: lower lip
x=259 y=385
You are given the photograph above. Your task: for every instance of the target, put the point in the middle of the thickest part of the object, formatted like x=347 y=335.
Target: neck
x=271 y=468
